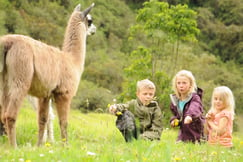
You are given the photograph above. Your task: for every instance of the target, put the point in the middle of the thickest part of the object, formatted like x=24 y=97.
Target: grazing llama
x=28 y=66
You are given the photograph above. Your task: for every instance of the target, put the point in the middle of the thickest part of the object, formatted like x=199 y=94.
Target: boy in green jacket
x=146 y=111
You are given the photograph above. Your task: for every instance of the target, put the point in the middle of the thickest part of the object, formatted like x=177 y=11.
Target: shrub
x=90 y=97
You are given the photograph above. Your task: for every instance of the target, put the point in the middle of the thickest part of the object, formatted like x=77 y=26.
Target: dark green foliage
x=229 y=11
x=221 y=26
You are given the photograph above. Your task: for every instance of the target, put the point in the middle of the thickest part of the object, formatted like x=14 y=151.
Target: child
x=146 y=111
x=186 y=106
x=219 y=119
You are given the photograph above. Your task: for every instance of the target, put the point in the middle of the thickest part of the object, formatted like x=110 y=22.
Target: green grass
x=94 y=137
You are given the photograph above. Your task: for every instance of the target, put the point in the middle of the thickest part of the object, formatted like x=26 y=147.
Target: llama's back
x=32 y=61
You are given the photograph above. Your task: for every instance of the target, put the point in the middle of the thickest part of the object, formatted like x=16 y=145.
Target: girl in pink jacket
x=219 y=119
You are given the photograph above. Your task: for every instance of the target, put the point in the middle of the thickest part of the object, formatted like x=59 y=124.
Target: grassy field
x=94 y=137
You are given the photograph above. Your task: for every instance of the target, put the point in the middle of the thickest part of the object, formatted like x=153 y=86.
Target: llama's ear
x=77 y=8
x=86 y=11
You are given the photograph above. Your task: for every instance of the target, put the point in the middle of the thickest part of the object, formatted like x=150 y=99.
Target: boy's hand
x=112 y=109
x=188 y=120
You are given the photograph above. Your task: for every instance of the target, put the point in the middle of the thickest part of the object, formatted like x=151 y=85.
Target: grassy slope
x=93 y=137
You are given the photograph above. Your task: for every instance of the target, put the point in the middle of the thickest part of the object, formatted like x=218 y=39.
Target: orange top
x=226 y=138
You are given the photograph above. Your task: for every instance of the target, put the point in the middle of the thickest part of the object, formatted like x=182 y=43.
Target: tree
x=163 y=23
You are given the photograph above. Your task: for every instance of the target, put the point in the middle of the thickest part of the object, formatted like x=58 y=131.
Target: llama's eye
x=89 y=22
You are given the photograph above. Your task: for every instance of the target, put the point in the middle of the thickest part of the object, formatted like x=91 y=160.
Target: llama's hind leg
x=43 y=110
x=10 y=116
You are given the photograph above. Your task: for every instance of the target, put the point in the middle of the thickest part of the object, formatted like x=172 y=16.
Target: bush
x=90 y=97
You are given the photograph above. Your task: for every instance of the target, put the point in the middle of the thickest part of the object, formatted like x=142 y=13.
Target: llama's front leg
x=43 y=110
x=11 y=129
x=62 y=107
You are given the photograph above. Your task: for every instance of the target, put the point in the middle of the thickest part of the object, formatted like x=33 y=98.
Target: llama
x=49 y=132
x=22 y=72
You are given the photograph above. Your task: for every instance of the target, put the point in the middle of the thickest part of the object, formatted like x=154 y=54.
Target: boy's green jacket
x=149 y=117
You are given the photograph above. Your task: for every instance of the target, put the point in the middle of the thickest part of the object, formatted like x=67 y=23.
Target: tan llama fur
x=28 y=66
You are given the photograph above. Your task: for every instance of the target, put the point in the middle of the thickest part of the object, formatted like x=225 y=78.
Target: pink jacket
x=226 y=138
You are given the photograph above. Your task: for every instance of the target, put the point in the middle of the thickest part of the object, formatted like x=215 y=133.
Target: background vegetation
x=137 y=40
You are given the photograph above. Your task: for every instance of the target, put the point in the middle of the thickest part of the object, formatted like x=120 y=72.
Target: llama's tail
x=4 y=48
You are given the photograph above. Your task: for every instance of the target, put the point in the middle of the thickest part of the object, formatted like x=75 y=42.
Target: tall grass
x=94 y=137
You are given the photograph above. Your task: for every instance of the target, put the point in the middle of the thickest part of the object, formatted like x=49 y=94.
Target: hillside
x=214 y=58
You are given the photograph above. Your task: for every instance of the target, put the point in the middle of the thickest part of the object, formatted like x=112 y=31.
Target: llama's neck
x=75 y=40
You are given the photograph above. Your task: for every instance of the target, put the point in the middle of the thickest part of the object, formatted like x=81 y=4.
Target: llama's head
x=87 y=18
x=91 y=27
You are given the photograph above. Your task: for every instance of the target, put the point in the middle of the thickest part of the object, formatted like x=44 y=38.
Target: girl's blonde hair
x=191 y=78
x=145 y=84
x=227 y=97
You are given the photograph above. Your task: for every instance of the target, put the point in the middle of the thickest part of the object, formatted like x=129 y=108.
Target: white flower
x=21 y=159
x=51 y=151
x=42 y=155
x=91 y=153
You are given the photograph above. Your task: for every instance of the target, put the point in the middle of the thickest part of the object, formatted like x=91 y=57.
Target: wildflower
x=177 y=159
x=118 y=113
x=28 y=161
x=214 y=153
x=241 y=143
x=21 y=159
x=47 y=144
x=176 y=122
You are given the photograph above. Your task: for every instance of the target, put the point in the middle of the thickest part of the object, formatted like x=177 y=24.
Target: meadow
x=94 y=137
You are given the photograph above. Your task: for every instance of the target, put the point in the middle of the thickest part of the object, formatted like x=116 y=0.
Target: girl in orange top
x=219 y=119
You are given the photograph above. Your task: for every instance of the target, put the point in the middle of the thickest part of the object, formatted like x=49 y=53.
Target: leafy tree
x=177 y=22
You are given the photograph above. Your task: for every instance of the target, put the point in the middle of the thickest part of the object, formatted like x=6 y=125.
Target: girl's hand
x=188 y=120
x=174 y=123
x=210 y=115
x=112 y=109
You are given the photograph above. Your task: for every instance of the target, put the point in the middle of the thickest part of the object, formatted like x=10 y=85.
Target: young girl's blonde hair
x=145 y=84
x=191 y=78
x=227 y=97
